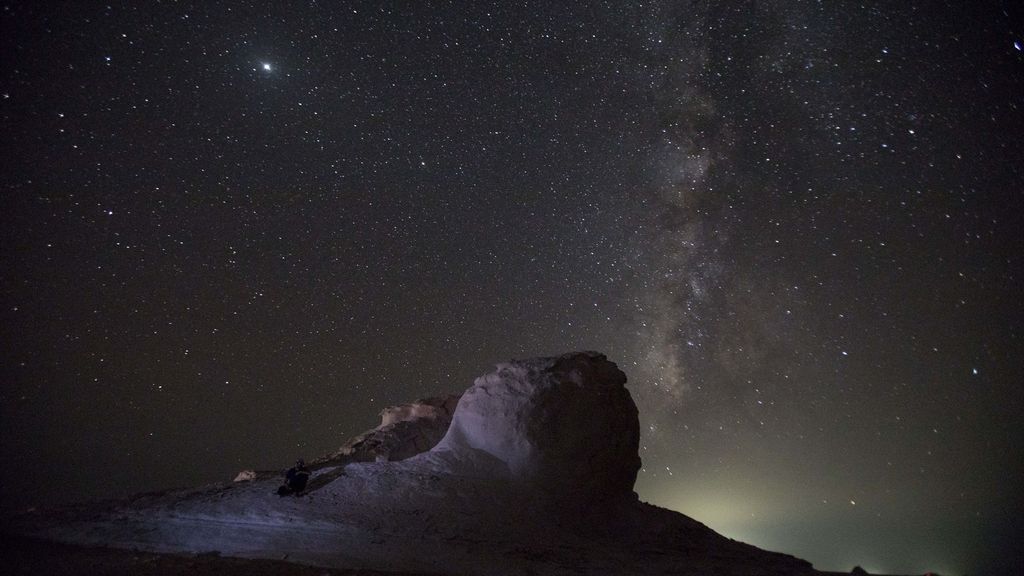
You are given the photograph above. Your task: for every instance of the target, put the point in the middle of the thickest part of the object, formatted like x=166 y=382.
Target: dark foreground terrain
x=28 y=556
x=21 y=556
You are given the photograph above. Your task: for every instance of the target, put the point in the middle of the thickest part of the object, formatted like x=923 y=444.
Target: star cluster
x=234 y=231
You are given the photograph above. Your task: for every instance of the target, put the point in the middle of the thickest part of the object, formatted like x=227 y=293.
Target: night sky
x=232 y=232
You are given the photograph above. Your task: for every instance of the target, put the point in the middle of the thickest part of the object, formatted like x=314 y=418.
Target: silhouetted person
x=295 y=479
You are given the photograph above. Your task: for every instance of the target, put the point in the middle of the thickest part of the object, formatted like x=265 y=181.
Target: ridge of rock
x=405 y=430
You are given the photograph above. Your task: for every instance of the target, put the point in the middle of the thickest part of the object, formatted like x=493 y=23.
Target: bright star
x=266 y=66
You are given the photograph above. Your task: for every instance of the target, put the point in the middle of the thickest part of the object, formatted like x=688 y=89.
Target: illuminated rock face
x=566 y=425
x=405 y=431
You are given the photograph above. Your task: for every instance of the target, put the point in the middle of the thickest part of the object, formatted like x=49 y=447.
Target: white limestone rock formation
x=534 y=476
x=566 y=426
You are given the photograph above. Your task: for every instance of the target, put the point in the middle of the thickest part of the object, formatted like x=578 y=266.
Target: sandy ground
x=28 y=556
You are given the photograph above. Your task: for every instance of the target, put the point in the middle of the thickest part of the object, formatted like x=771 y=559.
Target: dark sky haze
x=232 y=232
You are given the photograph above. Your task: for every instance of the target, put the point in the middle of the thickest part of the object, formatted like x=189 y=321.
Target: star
x=266 y=67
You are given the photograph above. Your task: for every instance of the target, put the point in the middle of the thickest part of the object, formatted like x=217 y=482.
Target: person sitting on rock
x=295 y=479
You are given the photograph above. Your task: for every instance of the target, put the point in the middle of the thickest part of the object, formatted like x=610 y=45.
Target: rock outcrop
x=404 y=431
x=566 y=426
x=534 y=475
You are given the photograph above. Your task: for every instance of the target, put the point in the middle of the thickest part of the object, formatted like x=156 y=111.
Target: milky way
x=233 y=233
